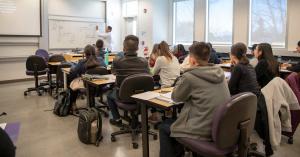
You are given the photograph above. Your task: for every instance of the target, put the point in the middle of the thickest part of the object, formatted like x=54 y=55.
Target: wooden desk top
x=54 y=63
x=160 y=103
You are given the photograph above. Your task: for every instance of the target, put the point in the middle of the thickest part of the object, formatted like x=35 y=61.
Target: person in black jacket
x=83 y=65
x=243 y=76
x=123 y=67
x=213 y=58
x=267 y=67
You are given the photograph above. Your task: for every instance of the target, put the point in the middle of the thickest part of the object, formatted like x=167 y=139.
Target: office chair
x=131 y=85
x=42 y=53
x=36 y=66
x=99 y=91
x=53 y=69
x=232 y=125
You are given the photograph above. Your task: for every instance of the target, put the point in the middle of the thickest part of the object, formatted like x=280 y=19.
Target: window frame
x=207 y=26
x=174 y=42
x=274 y=47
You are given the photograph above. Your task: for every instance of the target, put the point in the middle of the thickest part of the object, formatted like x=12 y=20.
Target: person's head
x=108 y=29
x=238 y=54
x=164 y=50
x=155 y=50
x=89 y=51
x=264 y=51
x=99 y=44
x=298 y=47
x=252 y=48
x=180 y=48
x=131 y=44
x=199 y=54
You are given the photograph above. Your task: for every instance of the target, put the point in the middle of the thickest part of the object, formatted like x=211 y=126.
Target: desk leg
x=87 y=94
x=145 y=138
x=65 y=81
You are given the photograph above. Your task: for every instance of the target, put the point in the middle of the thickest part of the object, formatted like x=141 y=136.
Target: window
x=219 y=21
x=268 y=22
x=183 y=21
x=130 y=8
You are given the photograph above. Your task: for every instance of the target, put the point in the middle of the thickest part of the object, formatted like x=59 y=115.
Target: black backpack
x=62 y=105
x=90 y=126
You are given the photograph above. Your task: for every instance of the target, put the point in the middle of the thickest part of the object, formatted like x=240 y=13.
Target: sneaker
x=116 y=122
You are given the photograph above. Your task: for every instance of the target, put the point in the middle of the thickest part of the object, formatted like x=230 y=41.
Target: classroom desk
x=73 y=57
x=98 y=83
x=156 y=103
x=227 y=67
x=65 y=71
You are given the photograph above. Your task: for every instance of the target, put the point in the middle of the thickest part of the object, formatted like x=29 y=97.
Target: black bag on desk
x=90 y=126
x=62 y=105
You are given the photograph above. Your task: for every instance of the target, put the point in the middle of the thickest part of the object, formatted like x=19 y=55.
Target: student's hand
x=232 y=62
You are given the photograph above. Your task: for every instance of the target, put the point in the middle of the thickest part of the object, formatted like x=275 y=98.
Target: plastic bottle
x=106 y=56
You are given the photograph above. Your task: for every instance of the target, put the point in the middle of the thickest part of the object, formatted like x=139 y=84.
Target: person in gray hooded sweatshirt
x=202 y=88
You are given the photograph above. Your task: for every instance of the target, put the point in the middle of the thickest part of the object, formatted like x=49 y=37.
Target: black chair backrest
x=35 y=63
x=97 y=71
x=229 y=117
x=57 y=58
x=135 y=84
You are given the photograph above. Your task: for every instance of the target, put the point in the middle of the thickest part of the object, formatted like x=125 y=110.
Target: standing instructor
x=106 y=37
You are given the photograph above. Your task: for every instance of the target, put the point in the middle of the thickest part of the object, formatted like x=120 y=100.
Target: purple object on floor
x=12 y=129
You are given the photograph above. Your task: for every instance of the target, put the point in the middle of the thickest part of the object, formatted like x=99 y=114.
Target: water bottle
x=106 y=57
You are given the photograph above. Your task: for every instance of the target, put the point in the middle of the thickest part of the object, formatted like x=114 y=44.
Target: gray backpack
x=90 y=126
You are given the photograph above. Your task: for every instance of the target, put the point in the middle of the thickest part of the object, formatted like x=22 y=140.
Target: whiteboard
x=20 y=18
x=64 y=34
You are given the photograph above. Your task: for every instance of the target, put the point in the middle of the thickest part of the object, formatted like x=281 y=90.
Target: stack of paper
x=165 y=97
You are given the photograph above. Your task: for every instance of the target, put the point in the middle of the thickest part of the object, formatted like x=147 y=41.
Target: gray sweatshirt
x=202 y=89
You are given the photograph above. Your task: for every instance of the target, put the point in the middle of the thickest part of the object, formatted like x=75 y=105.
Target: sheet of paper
x=2 y=125
x=227 y=75
x=146 y=95
x=167 y=95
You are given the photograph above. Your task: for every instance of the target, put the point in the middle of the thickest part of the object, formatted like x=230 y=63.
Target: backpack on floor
x=63 y=104
x=90 y=126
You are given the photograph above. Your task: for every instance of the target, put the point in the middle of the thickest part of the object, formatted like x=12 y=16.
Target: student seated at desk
x=180 y=52
x=123 y=67
x=89 y=62
x=267 y=67
x=166 y=66
x=289 y=66
x=243 y=76
x=100 y=52
x=202 y=88
x=213 y=58
x=153 y=55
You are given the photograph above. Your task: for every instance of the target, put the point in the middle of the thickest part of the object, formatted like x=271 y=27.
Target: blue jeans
x=169 y=147
x=111 y=100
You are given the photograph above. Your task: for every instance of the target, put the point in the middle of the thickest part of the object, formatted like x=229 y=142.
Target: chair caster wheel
x=154 y=137
x=40 y=94
x=25 y=93
x=113 y=139
x=290 y=140
x=135 y=145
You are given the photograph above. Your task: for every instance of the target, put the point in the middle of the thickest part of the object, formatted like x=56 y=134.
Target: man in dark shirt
x=123 y=67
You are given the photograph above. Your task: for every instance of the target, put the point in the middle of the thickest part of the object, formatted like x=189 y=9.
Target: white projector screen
x=20 y=17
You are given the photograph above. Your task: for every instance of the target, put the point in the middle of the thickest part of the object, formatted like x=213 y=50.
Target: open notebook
x=151 y=95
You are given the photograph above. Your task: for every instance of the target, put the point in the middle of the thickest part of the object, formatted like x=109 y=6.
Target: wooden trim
x=21 y=80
